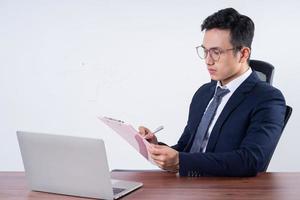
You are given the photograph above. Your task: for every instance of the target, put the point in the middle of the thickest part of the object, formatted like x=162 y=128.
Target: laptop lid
x=69 y=165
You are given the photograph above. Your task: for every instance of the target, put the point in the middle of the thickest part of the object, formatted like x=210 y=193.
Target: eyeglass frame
x=208 y=51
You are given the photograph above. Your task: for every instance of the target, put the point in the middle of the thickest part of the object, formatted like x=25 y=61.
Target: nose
x=208 y=60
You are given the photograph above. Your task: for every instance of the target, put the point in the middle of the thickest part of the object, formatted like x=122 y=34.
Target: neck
x=242 y=70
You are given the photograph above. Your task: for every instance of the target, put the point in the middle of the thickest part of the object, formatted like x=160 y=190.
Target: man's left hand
x=165 y=157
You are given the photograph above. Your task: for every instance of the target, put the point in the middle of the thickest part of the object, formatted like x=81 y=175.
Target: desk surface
x=164 y=185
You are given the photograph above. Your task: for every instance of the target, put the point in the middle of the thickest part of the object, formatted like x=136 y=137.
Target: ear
x=245 y=54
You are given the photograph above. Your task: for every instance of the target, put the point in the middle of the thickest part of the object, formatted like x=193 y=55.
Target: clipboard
x=128 y=133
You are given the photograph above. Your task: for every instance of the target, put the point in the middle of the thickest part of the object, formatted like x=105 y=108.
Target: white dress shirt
x=232 y=86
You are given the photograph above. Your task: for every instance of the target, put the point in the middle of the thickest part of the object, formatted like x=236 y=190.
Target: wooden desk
x=163 y=185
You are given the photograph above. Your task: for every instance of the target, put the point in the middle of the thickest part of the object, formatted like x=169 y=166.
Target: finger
x=159 y=163
x=159 y=149
x=154 y=151
x=157 y=157
x=149 y=136
x=143 y=130
x=160 y=158
x=163 y=165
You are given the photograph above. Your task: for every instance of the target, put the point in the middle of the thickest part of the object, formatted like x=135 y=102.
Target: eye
x=215 y=51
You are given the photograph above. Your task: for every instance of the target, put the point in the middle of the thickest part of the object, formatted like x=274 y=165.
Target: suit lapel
x=202 y=104
x=237 y=97
x=198 y=111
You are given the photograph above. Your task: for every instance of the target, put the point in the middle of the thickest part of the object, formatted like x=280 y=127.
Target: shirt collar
x=235 y=83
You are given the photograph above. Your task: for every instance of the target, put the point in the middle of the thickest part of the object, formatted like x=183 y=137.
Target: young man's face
x=229 y=65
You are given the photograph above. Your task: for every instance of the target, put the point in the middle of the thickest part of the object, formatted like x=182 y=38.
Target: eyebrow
x=210 y=48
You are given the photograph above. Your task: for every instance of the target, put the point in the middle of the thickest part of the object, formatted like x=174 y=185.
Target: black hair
x=240 y=26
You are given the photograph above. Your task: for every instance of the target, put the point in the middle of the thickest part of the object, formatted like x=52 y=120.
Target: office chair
x=265 y=72
x=288 y=113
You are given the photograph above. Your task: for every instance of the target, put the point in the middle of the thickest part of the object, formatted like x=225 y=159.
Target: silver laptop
x=69 y=165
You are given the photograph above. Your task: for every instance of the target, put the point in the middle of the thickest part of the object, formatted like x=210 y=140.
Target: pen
x=158 y=129
x=116 y=120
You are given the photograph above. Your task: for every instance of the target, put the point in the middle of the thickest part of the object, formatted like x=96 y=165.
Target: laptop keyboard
x=117 y=190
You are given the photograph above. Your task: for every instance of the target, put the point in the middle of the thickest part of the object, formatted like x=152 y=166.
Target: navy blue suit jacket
x=243 y=137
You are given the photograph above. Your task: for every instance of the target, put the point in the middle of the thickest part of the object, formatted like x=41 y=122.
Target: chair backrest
x=265 y=72
x=288 y=113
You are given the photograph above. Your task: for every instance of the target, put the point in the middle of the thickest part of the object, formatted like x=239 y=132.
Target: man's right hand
x=148 y=135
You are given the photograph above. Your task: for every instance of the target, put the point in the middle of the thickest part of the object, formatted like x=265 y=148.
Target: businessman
x=234 y=121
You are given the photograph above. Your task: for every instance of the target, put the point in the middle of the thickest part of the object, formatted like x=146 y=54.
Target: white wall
x=65 y=62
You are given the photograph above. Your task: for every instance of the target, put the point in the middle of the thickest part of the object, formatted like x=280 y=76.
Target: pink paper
x=128 y=133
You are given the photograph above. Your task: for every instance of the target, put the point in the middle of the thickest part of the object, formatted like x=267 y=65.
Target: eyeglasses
x=214 y=53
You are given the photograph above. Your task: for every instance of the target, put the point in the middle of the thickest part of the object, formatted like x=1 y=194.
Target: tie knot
x=221 y=92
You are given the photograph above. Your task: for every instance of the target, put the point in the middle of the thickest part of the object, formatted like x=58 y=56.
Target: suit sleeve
x=261 y=138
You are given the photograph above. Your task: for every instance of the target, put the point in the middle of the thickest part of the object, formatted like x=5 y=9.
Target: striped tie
x=202 y=131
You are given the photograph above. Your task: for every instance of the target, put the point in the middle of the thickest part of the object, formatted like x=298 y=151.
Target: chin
x=214 y=78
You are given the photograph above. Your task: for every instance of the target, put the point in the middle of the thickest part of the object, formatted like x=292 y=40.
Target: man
x=235 y=121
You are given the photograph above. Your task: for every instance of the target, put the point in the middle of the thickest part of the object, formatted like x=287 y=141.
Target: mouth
x=211 y=71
